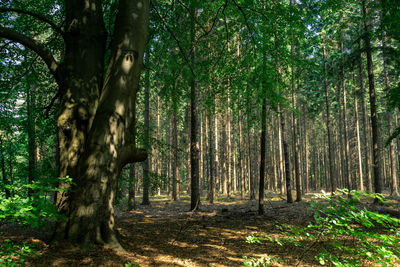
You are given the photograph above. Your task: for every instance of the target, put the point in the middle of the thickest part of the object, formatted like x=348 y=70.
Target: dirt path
x=166 y=234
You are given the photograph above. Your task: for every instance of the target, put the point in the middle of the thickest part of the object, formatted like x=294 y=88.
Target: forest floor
x=167 y=234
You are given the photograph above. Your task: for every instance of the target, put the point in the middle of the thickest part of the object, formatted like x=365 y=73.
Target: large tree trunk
x=107 y=148
x=96 y=115
x=80 y=87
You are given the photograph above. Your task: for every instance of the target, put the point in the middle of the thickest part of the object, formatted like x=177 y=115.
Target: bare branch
x=34 y=45
x=36 y=16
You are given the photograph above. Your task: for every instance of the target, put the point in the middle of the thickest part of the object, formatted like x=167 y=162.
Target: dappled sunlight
x=167 y=234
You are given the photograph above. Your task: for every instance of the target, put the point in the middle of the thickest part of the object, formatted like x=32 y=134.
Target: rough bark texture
x=96 y=113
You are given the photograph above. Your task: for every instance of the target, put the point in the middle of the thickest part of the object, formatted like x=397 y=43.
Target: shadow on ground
x=167 y=234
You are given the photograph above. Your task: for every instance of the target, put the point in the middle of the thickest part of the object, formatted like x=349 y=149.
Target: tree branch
x=176 y=39
x=34 y=45
x=130 y=154
x=36 y=16
x=53 y=100
x=246 y=21
x=214 y=22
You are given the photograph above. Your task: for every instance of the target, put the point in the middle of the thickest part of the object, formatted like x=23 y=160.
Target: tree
x=96 y=111
x=372 y=98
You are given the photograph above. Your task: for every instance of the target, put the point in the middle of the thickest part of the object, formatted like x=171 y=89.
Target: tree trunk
x=132 y=188
x=108 y=148
x=286 y=159
x=31 y=120
x=95 y=118
x=211 y=184
x=281 y=159
x=328 y=126
x=3 y=169
x=132 y=178
x=194 y=143
x=365 y=139
x=347 y=176
x=262 y=156
x=360 y=168
x=241 y=155
x=175 y=179
x=394 y=191
x=146 y=163
x=372 y=98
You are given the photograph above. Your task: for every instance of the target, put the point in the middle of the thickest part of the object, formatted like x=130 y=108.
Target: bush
x=12 y=254
x=350 y=233
x=36 y=210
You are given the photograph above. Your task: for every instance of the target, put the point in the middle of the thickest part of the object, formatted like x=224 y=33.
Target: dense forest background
x=235 y=97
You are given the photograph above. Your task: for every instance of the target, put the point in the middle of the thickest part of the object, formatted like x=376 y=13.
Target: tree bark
x=146 y=163
x=194 y=143
x=359 y=154
x=286 y=159
x=394 y=191
x=96 y=112
x=31 y=121
x=262 y=157
x=175 y=189
x=372 y=98
x=3 y=169
x=347 y=176
x=328 y=125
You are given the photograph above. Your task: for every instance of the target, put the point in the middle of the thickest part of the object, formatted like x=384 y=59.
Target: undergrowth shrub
x=12 y=254
x=35 y=211
x=347 y=233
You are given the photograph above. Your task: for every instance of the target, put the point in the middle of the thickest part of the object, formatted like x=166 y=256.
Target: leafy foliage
x=12 y=254
x=35 y=210
x=350 y=233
